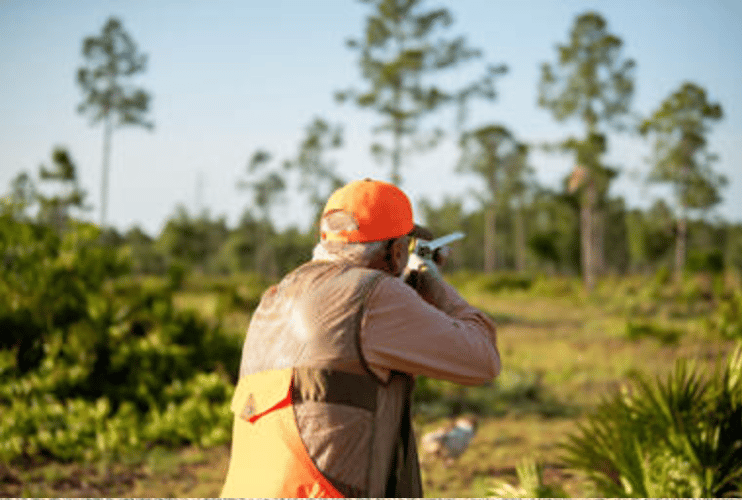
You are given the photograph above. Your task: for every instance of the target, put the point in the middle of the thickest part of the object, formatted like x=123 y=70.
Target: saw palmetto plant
x=674 y=437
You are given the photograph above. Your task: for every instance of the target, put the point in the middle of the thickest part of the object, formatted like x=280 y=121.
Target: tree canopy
x=112 y=59
x=400 y=54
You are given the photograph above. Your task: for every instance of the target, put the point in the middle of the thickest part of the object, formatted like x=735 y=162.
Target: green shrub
x=81 y=429
x=711 y=261
x=636 y=330
x=176 y=273
x=681 y=437
x=507 y=282
x=93 y=367
x=727 y=319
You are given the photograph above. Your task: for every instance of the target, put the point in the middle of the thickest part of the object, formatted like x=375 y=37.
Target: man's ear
x=400 y=248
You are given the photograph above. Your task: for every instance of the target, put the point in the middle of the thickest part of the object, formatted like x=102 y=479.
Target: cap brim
x=422 y=233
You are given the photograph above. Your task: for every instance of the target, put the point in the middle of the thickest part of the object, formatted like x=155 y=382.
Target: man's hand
x=440 y=256
x=423 y=275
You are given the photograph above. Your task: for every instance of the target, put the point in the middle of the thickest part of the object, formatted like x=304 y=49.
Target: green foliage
x=111 y=57
x=507 y=282
x=589 y=80
x=636 y=330
x=138 y=249
x=176 y=274
x=733 y=247
x=92 y=368
x=263 y=182
x=727 y=320
x=318 y=176
x=679 y=437
x=292 y=249
x=493 y=153
x=544 y=247
x=555 y=232
x=21 y=196
x=54 y=208
x=401 y=44
x=650 y=236
x=679 y=125
x=711 y=261
x=556 y=287
x=192 y=241
x=680 y=156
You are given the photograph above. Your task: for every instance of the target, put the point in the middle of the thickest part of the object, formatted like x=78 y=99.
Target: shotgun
x=432 y=251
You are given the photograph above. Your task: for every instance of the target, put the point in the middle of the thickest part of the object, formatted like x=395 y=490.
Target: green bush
x=681 y=437
x=507 y=282
x=705 y=261
x=727 y=319
x=91 y=367
x=636 y=330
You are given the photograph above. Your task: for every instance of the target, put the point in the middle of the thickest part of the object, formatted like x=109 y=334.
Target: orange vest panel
x=268 y=457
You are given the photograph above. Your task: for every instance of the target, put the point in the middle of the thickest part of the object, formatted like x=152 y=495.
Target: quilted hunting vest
x=311 y=418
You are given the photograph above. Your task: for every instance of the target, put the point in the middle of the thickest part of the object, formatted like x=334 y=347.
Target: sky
x=229 y=77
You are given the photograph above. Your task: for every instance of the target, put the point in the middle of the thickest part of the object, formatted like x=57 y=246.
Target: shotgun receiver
x=429 y=249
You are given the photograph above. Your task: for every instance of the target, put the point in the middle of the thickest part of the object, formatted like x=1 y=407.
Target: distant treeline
x=541 y=234
x=634 y=241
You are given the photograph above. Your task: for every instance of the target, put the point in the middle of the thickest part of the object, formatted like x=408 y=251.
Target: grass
x=500 y=444
x=188 y=472
x=566 y=349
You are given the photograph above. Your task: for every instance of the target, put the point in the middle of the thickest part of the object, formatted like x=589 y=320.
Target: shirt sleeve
x=402 y=332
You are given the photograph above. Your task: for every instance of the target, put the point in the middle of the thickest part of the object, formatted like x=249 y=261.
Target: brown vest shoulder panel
x=311 y=318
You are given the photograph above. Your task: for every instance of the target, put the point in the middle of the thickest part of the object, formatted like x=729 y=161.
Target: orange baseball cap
x=381 y=211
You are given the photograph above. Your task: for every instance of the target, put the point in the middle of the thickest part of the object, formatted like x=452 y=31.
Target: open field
x=562 y=352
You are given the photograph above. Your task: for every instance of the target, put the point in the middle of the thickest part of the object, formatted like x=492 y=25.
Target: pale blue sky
x=228 y=77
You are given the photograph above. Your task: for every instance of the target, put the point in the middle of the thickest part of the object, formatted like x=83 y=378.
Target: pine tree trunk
x=586 y=232
x=520 y=240
x=599 y=241
x=396 y=177
x=490 y=254
x=680 y=243
x=682 y=224
x=107 y=131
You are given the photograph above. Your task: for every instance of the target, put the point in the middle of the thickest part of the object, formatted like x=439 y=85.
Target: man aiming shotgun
x=322 y=406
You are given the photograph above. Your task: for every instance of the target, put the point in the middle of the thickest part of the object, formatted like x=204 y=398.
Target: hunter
x=322 y=406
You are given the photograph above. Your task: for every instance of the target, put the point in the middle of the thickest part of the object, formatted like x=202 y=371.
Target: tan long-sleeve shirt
x=401 y=332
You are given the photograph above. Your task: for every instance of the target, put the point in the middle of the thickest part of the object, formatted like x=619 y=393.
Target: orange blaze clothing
x=265 y=435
